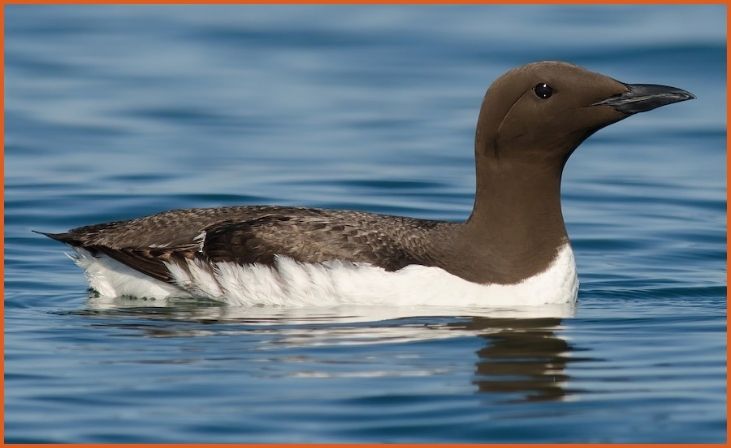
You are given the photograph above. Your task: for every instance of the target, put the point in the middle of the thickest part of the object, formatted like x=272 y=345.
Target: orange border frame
x=351 y=2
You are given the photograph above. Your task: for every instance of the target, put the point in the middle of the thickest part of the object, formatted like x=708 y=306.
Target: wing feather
x=256 y=234
x=304 y=239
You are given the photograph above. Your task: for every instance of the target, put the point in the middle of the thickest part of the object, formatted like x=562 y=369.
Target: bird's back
x=256 y=235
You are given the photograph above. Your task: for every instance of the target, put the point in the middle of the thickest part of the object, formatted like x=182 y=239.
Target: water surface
x=117 y=111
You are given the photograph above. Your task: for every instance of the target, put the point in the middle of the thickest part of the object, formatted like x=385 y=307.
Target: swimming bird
x=512 y=250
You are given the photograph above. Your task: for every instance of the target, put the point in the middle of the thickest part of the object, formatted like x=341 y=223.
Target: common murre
x=512 y=250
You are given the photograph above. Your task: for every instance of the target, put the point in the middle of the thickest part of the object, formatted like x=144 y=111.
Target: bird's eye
x=543 y=90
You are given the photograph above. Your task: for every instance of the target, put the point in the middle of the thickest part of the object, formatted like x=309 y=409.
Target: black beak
x=644 y=97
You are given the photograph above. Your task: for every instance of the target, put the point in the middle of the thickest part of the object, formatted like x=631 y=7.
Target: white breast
x=290 y=283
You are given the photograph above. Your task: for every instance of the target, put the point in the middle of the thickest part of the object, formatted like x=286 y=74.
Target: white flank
x=111 y=278
x=290 y=283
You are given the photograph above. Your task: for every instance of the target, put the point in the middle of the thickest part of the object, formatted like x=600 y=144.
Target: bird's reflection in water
x=525 y=359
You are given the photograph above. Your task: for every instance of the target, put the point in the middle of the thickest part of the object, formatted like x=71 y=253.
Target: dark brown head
x=544 y=110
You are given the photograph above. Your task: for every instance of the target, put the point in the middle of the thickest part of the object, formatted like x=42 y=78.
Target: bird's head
x=544 y=110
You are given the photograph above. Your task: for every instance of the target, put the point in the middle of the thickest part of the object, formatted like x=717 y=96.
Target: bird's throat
x=516 y=227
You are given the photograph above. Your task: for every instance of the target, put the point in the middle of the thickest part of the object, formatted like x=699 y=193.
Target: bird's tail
x=62 y=237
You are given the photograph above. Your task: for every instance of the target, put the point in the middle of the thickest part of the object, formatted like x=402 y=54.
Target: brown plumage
x=256 y=234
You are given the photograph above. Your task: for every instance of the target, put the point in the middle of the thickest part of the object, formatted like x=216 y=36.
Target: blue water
x=119 y=111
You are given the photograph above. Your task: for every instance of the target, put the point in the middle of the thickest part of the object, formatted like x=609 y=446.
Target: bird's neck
x=516 y=226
